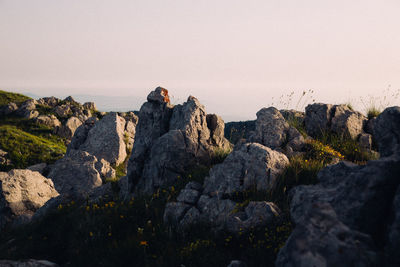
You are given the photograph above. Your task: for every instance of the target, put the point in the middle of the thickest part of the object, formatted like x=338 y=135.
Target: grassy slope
x=7 y=97
x=26 y=142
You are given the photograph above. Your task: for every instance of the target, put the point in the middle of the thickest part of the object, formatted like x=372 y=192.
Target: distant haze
x=236 y=56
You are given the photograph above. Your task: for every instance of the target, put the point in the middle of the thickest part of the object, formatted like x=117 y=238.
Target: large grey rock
x=27 y=109
x=81 y=134
x=318 y=118
x=347 y=122
x=90 y=106
x=8 y=109
x=170 y=141
x=392 y=247
x=48 y=120
x=62 y=111
x=49 y=101
x=250 y=166
x=40 y=167
x=68 y=129
x=272 y=130
x=387 y=131
x=291 y=114
x=105 y=139
x=323 y=240
x=350 y=198
x=27 y=263
x=76 y=174
x=256 y=214
x=22 y=192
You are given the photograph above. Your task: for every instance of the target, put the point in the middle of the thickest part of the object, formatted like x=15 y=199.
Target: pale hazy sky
x=234 y=55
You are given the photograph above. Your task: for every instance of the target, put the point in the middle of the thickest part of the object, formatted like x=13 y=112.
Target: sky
x=235 y=56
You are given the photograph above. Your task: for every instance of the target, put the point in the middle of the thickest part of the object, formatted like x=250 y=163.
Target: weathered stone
x=170 y=141
x=318 y=118
x=68 y=130
x=323 y=240
x=22 y=193
x=104 y=168
x=49 y=101
x=159 y=95
x=251 y=166
x=90 y=106
x=81 y=133
x=272 y=130
x=50 y=121
x=4 y=158
x=257 y=214
x=188 y=196
x=370 y=125
x=174 y=212
x=38 y=167
x=365 y=141
x=62 y=111
x=104 y=140
x=27 y=109
x=291 y=114
x=70 y=99
x=347 y=122
x=387 y=131
x=27 y=263
x=76 y=173
x=215 y=211
x=392 y=247
x=8 y=109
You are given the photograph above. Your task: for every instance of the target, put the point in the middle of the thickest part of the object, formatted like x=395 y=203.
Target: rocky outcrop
x=27 y=109
x=339 y=119
x=68 y=129
x=8 y=109
x=49 y=101
x=77 y=173
x=352 y=213
x=272 y=130
x=250 y=167
x=48 y=120
x=22 y=192
x=170 y=140
x=387 y=131
x=4 y=158
x=103 y=139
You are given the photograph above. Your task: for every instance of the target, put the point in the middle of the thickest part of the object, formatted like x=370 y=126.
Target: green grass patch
x=350 y=149
x=298 y=124
x=26 y=149
x=7 y=97
x=373 y=112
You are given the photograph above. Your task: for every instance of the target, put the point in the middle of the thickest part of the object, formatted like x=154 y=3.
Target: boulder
x=27 y=263
x=350 y=199
x=103 y=139
x=318 y=118
x=49 y=101
x=387 y=131
x=22 y=193
x=250 y=166
x=68 y=129
x=4 y=158
x=323 y=240
x=90 y=106
x=77 y=173
x=272 y=130
x=291 y=114
x=8 y=109
x=48 y=120
x=340 y=119
x=38 y=167
x=392 y=246
x=169 y=141
x=62 y=111
x=347 y=122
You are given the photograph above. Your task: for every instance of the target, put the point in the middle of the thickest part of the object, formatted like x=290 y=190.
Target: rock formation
x=249 y=167
x=352 y=212
x=22 y=192
x=170 y=140
x=272 y=130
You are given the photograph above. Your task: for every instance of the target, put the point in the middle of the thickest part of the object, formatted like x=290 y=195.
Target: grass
x=119 y=233
x=373 y=112
x=298 y=124
x=26 y=149
x=7 y=97
x=350 y=149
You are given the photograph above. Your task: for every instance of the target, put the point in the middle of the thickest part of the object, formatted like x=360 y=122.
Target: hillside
x=177 y=186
